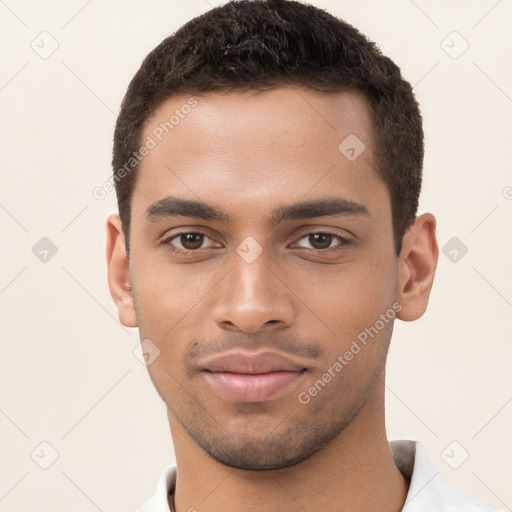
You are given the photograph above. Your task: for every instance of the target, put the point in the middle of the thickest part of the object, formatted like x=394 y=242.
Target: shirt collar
x=427 y=489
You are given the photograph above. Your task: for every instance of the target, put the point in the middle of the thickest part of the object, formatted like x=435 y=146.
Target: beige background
x=68 y=373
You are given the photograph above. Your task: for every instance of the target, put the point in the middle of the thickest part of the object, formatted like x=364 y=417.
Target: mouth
x=245 y=377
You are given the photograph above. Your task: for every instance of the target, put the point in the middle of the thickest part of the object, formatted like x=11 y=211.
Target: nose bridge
x=252 y=280
x=252 y=296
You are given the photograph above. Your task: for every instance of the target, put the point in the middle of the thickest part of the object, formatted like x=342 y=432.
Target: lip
x=247 y=377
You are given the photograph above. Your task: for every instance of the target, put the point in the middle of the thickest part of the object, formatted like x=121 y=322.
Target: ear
x=119 y=272
x=416 y=267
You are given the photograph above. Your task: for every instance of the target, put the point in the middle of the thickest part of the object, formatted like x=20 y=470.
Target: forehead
x=249 y=148
x=283 y=115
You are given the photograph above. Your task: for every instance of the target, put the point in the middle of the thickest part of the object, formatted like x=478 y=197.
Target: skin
x=248 y=153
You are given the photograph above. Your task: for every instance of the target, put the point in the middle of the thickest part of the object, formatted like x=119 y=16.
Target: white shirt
x=428 y=491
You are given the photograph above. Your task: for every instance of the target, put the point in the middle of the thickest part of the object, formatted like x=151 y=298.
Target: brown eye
x=191 y=241
x=320 y=240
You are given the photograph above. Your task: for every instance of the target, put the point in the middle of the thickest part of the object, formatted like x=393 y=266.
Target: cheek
x=167 y=293
x=172 y=306
x=345 y=299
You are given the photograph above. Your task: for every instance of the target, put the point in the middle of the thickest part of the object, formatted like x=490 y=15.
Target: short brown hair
x=255 y=44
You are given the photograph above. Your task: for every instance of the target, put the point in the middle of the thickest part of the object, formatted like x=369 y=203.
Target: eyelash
x=344 y=241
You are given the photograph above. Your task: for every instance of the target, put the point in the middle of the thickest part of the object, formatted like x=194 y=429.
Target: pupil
x=192 y=240
x=320 y=240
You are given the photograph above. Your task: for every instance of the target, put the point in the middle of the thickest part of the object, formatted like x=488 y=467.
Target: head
x=272 y=211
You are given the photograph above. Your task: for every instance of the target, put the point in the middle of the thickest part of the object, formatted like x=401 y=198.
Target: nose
x=253 y=298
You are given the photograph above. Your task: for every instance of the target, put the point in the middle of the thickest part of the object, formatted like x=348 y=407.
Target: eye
x=189 y=241
x=193 y=241
x=321 y=241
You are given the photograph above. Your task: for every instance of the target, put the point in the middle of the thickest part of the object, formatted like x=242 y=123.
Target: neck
x=355 y=472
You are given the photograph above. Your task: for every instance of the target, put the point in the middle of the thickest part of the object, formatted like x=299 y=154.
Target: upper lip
x=250 y=363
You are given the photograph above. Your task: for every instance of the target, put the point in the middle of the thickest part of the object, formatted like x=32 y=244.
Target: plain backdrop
x=68 y=373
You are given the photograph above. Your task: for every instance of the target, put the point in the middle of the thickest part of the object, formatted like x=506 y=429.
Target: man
x=268 y=162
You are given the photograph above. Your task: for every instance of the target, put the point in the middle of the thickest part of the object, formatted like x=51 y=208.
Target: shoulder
x=158 y=502
x=428 y=490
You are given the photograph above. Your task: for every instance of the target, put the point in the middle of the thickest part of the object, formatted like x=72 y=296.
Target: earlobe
x=417 y=266
x=119 y=272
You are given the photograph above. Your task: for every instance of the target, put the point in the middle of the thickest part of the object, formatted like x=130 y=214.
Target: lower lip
x=243 y=387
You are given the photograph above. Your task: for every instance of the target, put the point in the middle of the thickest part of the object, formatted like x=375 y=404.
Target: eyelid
x=344 y=239
x=185 y=230
x=167 y=240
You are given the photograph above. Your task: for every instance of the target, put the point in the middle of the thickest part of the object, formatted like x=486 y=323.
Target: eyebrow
x=172 y=206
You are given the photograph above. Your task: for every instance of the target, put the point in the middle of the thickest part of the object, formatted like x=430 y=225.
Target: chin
x=259 y=460
x=275 y=450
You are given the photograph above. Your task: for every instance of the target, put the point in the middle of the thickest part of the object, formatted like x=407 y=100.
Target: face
x=262 y=252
